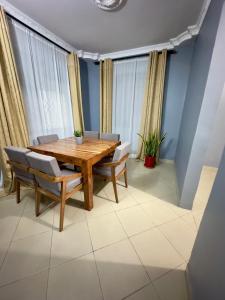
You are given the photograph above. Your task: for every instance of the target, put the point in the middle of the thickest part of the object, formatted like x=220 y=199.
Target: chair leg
x=125 y=178
x=115 y=189
x=17 y=191
x=37 y=203
x=62 y=209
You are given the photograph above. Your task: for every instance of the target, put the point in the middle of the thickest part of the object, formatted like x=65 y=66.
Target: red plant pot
x=149 y=162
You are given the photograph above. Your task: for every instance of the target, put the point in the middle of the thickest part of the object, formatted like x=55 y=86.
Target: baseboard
x=133 y=156
x=169 y=161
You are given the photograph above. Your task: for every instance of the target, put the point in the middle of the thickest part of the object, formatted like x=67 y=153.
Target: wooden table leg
x=87 y=184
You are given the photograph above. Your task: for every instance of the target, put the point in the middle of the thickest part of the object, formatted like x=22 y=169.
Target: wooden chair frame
x=18 y=181
x=114 y=177
x=62 y=198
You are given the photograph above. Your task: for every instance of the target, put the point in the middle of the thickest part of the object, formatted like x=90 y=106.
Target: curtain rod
x=27 y=26
x=137 y=56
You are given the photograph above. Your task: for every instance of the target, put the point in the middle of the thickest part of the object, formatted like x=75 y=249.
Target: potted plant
x=78 y=136
x=151 y=148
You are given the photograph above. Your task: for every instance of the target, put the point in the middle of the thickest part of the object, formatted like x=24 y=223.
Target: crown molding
x=13 y=11
x=136 y=51
x=186 y=35
x=88 y=55
x=189 y=33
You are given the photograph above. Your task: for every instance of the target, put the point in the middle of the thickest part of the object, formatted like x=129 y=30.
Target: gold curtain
x=106 y=81
x=13 y=128
x=153 y=97
x=75 y=90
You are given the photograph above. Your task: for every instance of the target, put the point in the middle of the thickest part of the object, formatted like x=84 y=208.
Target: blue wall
x=177 y=74
x=206 y=268
x=89 y=72
x=198 y=76
x=176 y=81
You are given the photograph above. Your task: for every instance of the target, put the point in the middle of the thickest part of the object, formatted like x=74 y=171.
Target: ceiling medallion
x=108 y=4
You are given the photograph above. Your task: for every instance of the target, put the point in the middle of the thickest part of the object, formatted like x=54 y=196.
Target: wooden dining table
x=84 y=155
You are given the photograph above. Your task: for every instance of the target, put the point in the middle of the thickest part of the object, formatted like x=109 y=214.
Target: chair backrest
x=110 y=136
x=91 y=134
x=18 y=155
x=121 y=151
x=45 y=139
x=48 y=165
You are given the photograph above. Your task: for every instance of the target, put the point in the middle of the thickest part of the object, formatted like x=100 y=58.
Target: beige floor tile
x=172 y=286
x=124 y=196
x=134 y=220
x=9 y=207
x=79 y=196
x=30 y=224
x=30 y=204
x=102 y=206
x=73 y=214
x=30 y=288
x=76 y=279
x=10 y=214
x=156 y=253
x=147 y=293
x=159 y=213
x=105 y=230
x=120 y=270
x=124 y=202
x=190 y=221
x=179 y=211
x=26 y=257
x=159 y=182
x=3 y=250
x=142 y=197
x=109 y=191
x=72 y=242
x=8 y=225
x=180 y=235
x=198 y=217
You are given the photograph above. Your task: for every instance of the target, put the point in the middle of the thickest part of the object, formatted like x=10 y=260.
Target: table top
x=67 y=150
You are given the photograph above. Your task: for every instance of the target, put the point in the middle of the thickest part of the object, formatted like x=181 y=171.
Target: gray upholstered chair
x=20 y=166
x=112 y=168
x=59 y=185
x=45 y=139
x=110 y=136
x=91 y=134
x=51 y=138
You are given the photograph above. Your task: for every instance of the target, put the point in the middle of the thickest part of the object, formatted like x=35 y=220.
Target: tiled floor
x=135 y=250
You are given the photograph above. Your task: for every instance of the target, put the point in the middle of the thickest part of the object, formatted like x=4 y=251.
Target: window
x=129 y=78
x=42 y=68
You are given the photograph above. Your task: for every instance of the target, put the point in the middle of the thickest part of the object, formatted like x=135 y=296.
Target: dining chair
x=91 y=134
x=45 y=139
x=59 y=185
x=110 y=136
x=20 y=166
x=111 y=168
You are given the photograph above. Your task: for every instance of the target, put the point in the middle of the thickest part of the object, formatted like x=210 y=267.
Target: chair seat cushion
x=72 y=183
x=107 y=171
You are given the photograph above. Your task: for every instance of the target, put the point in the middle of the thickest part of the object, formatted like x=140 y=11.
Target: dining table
x=84 y=155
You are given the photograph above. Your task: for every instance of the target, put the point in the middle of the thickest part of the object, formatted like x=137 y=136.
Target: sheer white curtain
x=129 y=78
x=44 y=78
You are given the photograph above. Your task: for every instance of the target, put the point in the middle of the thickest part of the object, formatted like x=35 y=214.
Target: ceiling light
x=108 y=4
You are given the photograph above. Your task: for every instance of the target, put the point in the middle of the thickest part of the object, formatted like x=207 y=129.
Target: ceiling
x=138 y=23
